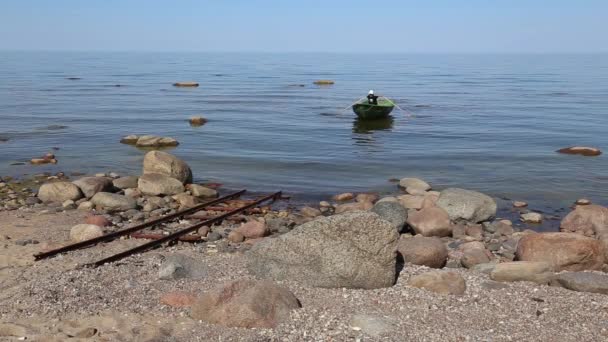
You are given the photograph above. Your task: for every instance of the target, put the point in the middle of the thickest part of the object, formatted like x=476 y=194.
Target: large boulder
x=246 y=304
x=352 y=250
x=563 y=251
x=587 y=220
x=167 y=164
x=154 y=184
x=425 y=251
x=113 y=202
x=538 y=272
x=393 y=212
x=92 y=185
x=432 y=221
x=440 y=282
x=582 y=282
x=59 y=192
x=467 y=205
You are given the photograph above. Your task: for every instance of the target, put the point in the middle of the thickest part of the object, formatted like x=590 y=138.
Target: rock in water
x=425 y=251
x=432 y=221
x=563 y=251
x=324 y=82
x=246 y=304
x=129 y=140
x=167 y=164
x=186 y=84
x=393 y=212
x=59 y=192
x=82 y=232
x=154 y=141
x=127 y=182
x=439 y=282
x=414 y=184
x=532 y=217
x=113 y=202
x=197 y=121
x=154 y=184
x=583 y=282
x=467 y=205
x=92 y=185
x=582 y=150
x=352 y=250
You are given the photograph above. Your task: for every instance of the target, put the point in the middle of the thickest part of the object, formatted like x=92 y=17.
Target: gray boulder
x=59 y=192
x=352 y=250
x=393 y=212
x=127 y=182
x=179 y=266
x=467 y=205
x=168 y=165
x=92 y=185
x=582 y=282
x=113 y=202
x=154 y=184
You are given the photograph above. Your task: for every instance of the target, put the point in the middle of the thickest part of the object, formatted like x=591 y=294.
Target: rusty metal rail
x=180 y=233
x=136 y=228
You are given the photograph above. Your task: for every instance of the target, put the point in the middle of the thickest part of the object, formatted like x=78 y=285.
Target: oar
x=408 y=113
x=350 y=105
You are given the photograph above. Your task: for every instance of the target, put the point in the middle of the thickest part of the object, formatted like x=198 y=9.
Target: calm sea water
x=484 y=122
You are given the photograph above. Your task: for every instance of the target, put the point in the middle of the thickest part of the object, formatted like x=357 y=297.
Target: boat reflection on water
x=368 y=126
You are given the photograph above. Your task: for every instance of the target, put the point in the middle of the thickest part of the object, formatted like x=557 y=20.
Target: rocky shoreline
x=417 y=265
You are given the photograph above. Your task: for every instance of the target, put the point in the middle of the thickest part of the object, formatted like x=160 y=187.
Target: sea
x=486 y=122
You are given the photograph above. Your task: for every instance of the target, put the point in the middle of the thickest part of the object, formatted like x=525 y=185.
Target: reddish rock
x=582 y=150
x=563 y=251
x=411 y=201
x=253 y=229
x=474 y=230
x=98 y=220
x=426 y=251
x=246 y=304
x=431 y=222
x=430 y=200
x=178 y=299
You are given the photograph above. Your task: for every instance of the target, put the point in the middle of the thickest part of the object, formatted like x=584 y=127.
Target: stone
x=474 y=231
x=310 y=212
x=393 y=212
x=430 y=200
x=582 y=201
x=186 y=84
x=581 y=150
x=202 y=191
x=68 y=205
x=485 y=268
x=372 y=325
x=520 y=204
x=98 y=220
x=113 y=202
x=59 y=192
x=186 y=201
x=32 y=200
x=562 y=251
x=127 y=182
x=82 y=232
x=133 y=193
x=356 y=206
x=411 y=201
x=424 y=251
x=414 y=183
x=129 y=139
x=467 y=205
x=86 y=205
x=352 y=250
x=178 y=299
x=324 y=82
x=440 y=282
x=246 y=304
x=253 y=229
x=371 y=198
x=582 y=282
x=587 y=220
x=92 y=185
x=347 y=196
x=430 y=222
x=538 y=272
x=153 y=184
x=178 y=266
x=158 y=162
x=155 y=141
x=236 y=237
x=197 y=121
x=474 y=257
x=532 y=217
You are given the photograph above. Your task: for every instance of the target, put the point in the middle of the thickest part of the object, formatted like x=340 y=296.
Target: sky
x=423 y=26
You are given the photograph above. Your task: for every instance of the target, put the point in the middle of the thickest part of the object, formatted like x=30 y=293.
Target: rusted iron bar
x=182 y=232
x=186 y=238
x=136 y=228
x=253 y=210
x=207 y=217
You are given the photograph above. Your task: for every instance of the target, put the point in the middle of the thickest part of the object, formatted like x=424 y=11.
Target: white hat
x=371 y=92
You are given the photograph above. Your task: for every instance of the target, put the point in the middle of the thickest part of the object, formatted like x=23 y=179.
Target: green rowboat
x=366 y=111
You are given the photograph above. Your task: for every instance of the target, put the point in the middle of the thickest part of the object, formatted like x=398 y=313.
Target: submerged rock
x=154 y=141
x=186 y=84
x=324 y=82
x=197 y=121
x=467 y=205
x=581 y=150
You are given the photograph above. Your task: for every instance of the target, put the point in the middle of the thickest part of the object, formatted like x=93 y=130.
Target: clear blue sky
x=306 y=25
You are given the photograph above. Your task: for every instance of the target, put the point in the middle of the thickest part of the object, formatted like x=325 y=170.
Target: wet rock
x=352 y=250
x=158 y=162
x=582 y=282
x=372 y=325
x=538 y=272
x=347 y=196
x=430 y=222
x=581 y=150
x=82 y=232
x=59 y=192
x=532 y=217
x=202 y=191
x=197 y=121
x=414 y=184
x=127 y=182
x=153 y=184
x=562 y=251
x=253 y=229
x=129 y=139
x=186 y=84
x=440 y=282
x=178 y=299
x=98 y=220
x=178 y=266
x=155 y=141
x=92 y=185
x=467 y=205
x=246 y=304
x=393 y=212
x=411 y=201
x=113 y=202
x=425 y=251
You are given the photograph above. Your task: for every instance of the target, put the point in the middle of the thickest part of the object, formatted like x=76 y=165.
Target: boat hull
x=366 y=111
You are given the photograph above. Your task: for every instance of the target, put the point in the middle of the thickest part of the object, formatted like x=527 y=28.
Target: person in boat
x=371 y=98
